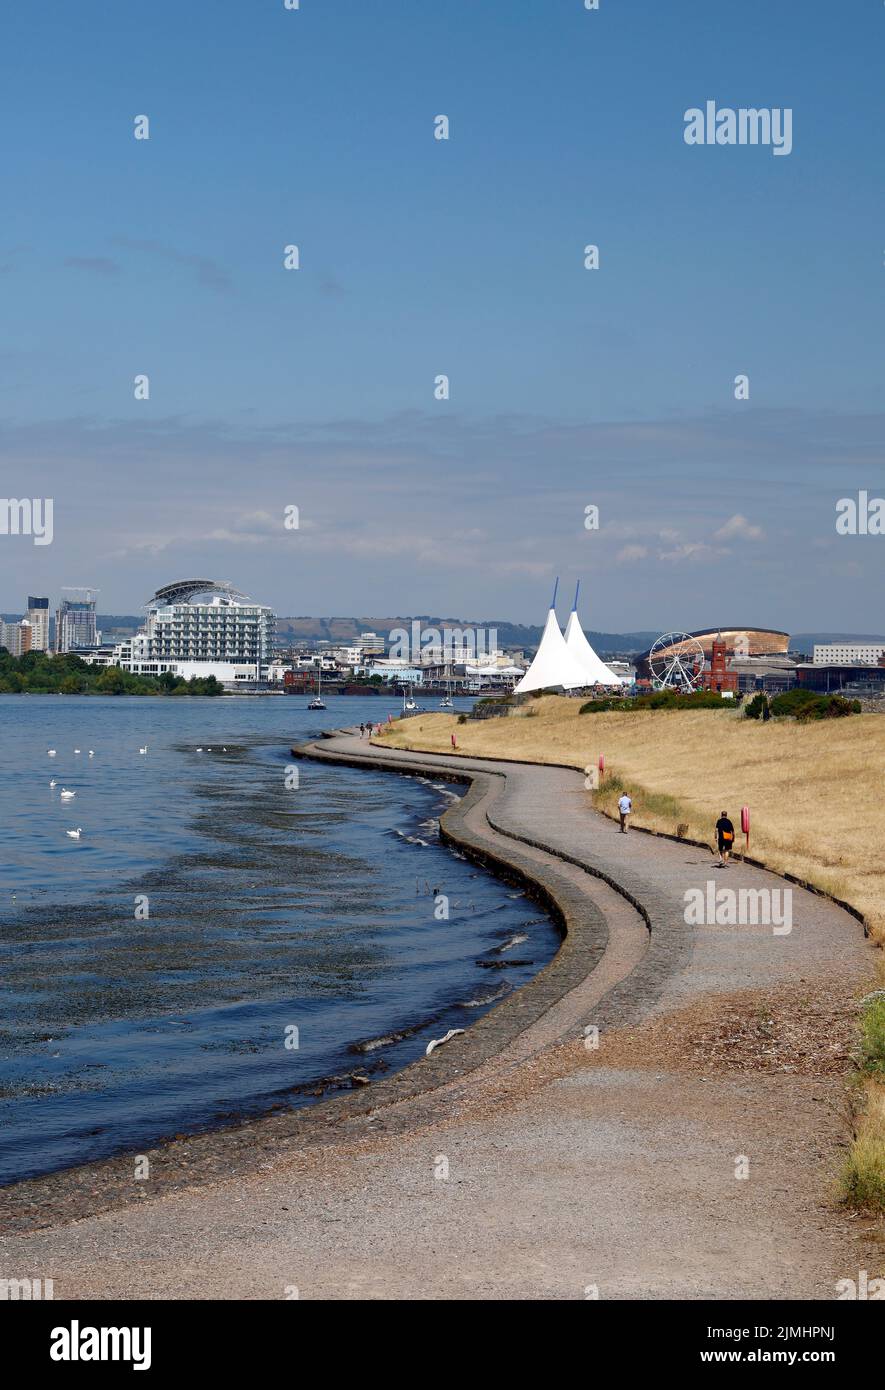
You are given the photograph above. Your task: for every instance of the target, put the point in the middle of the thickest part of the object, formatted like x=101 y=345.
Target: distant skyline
x=570 y=388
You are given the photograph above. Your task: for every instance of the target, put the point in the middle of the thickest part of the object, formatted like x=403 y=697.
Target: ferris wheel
x=676 y=662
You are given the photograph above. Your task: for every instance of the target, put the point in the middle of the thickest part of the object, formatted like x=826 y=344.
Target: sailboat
x=317 y=701
x=410 y=704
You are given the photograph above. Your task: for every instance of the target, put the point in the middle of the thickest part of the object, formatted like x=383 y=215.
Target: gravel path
x=528 y=1164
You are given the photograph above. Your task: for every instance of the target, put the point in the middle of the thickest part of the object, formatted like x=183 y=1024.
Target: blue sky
x=418 y=257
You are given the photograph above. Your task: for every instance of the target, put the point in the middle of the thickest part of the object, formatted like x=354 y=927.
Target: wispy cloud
x=694 y=551
x=207 y=271
x=96 y=265
x=459 y=513
x=738 y=527
x=630 y=553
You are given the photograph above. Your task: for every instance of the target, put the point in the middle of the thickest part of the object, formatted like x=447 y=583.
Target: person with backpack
x=724 y=837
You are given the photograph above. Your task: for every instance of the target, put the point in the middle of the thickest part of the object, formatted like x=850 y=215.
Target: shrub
x=809 y=704
x=757 y=706
x=658 y=699
x=793 y=701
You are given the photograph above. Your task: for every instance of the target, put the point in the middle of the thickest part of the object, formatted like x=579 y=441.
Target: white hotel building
x=201 y=627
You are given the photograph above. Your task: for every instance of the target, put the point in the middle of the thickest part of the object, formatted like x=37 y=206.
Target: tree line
x=39 y=673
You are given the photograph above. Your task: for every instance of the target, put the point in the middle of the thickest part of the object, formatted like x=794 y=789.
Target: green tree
x=111 y=681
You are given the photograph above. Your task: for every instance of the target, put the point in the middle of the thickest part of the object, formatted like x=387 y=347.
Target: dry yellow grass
x=863 y=1178
x=814 y=790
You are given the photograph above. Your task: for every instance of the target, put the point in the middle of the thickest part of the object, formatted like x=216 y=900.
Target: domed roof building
x=741 y=641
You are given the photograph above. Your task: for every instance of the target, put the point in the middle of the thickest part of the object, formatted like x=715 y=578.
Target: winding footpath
x=660 y=1113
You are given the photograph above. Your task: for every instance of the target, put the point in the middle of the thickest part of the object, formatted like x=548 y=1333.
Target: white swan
x=52 y=782
x=51 y=752
x=66 y=795
x=143 y=750
x=76 y=750
x=92 y=752
x=74 y=834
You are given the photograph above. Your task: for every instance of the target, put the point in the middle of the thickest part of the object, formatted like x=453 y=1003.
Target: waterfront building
x=741 y=642
x=565 y=662
x=38 y=616
x=833 y=677
x=595 y=670
x=394 y=669
x=75 y=624
x=16 y=637
x=720 y=675
x=848 y=653
x=349 y=656
x=104 y=655
x=553 y=667
x=202 y=627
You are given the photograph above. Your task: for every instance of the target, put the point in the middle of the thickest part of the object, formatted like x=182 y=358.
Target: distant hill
x=305 y=629
x=525 y=637
x=804 y=641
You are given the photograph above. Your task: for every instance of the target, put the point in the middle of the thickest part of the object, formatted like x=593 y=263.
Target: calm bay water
x=268 y=909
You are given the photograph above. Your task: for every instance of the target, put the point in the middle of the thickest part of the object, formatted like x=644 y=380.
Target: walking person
x=724 y=837
x=625 y=806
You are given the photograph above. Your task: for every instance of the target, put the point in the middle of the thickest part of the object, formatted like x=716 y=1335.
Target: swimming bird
x=92 y=752
x=52 y=782
x=51 y=752
x=199 y=750
x=74 y=834
x=143 y=750
x=76 y=750
x=66 y=795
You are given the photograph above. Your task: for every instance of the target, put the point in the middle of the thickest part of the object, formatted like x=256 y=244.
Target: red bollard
x=745 y=826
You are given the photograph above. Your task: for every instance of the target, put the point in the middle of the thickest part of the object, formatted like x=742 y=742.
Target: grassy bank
x=815 y=796
x=814 y=790
x=863 y=1177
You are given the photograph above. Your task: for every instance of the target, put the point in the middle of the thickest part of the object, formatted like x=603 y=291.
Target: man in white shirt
x=625 y=806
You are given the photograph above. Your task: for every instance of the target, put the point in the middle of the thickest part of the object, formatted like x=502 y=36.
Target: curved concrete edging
x=221 y=1154
x=671 y=941
x=585 y=932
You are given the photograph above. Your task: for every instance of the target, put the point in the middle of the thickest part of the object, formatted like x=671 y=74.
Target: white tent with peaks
x=566 y=663
x=597 y=673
